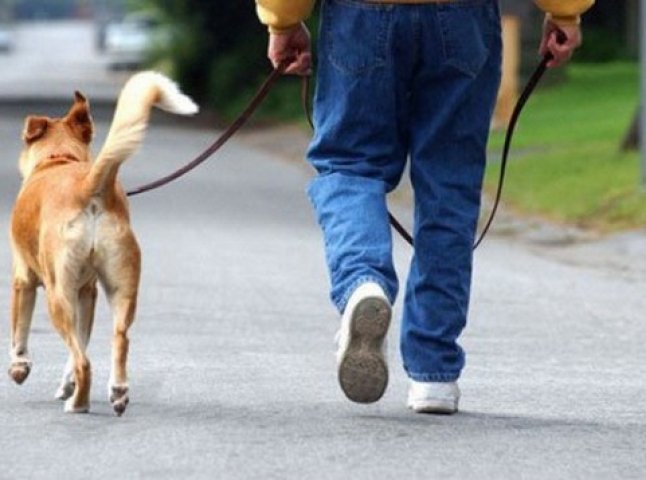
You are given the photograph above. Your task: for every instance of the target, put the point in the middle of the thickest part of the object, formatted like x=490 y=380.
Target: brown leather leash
x=531 y=85
x=269 y=82
x=237 y=124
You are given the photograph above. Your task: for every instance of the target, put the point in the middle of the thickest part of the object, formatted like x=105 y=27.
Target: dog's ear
x=79 y=119
x=35 y=128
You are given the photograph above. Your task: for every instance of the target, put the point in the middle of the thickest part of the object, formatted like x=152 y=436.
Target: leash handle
x=561 y=38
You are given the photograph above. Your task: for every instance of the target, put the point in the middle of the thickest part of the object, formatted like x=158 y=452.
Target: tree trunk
x=631 y=139
x=632 y=27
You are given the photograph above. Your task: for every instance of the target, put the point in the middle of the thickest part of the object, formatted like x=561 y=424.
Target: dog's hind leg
x=123 y=307
x=23 y=299
x=123 y=311
x=123 y=302
x=84 y=324
x=62 y=310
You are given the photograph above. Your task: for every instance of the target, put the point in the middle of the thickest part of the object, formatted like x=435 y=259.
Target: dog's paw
x=19 y=371
x=71 y=407
x=65 y=391
x=119 y=399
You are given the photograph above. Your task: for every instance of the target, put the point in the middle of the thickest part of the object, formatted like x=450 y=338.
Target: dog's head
x=67 y=137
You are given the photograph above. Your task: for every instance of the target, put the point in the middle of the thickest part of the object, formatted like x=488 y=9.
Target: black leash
x=532 y=83
x=237 y=124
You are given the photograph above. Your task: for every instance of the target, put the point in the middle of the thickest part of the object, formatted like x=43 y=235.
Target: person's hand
x=295 y=45
x=561 y=50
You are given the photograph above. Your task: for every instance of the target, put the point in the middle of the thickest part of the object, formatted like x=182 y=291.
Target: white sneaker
x=361 y=356
x=433 y=397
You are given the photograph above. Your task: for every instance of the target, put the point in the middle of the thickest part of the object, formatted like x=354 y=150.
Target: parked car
x=6 y=39
x=128 y=42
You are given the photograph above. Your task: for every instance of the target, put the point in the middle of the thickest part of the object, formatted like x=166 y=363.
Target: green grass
x=565 y=162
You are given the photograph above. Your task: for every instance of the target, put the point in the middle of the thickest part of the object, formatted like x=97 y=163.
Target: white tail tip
x=171 y=98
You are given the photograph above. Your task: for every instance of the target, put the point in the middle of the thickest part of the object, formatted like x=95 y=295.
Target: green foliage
x=217 y=53
x=217 y=49
x=565 y=161
x=601 y=45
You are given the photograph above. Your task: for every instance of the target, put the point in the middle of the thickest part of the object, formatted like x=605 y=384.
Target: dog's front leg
x=23 y=299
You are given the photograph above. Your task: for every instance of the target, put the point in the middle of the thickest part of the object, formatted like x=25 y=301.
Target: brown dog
x=70 y=228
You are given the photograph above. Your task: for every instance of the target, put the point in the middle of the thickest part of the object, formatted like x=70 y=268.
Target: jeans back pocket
x=355 y=35
x=468 y=28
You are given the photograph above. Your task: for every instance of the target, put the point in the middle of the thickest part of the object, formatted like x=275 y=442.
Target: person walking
x=410 y=81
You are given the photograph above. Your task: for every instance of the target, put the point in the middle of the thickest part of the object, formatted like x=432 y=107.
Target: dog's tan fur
x=70 y=228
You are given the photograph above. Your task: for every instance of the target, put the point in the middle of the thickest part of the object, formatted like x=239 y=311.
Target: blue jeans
x=400 y=82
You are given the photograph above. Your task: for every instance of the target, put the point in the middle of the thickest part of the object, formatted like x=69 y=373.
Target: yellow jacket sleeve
x=283 y=14
x=565 y=12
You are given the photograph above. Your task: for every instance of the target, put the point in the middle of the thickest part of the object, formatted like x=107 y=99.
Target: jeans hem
x=434 y=377
x=342 y=302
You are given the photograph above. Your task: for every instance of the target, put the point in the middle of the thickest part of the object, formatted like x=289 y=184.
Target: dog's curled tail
x=142 y=91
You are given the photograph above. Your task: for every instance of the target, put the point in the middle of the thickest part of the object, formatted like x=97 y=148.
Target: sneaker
x=361 y=354
x=433 y=397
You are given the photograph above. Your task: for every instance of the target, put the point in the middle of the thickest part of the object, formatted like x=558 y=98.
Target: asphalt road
x=232 y=358
x=52 y=59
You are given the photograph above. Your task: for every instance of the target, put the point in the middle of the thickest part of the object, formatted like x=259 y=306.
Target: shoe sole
x=437 y=408
x=363 y=371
